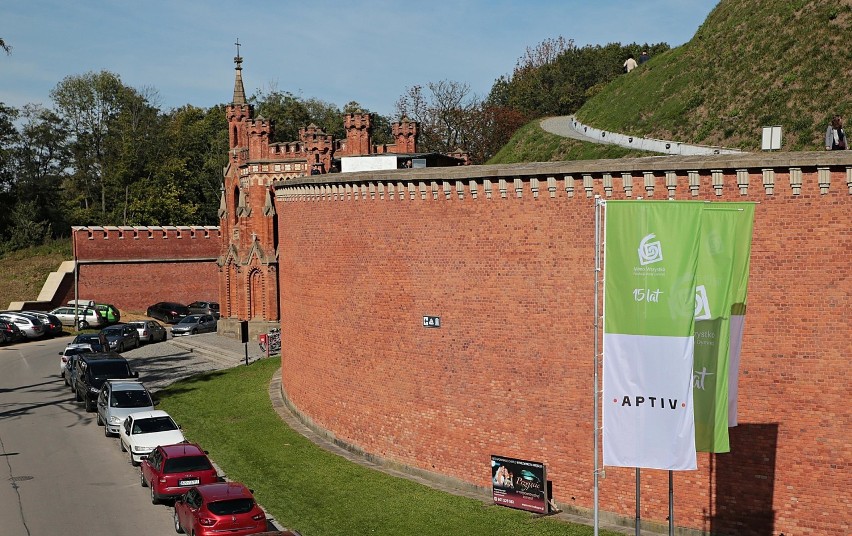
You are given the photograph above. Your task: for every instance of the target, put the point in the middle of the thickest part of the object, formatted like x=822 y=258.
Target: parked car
x=65 y=356
x=97 y=341
x=52 y=324
x=220 y=508
x=10 y=332
x=30 y=326
x=149 y=330
x=170 y=470
x=194 y=324
x=92 y=370
x=121 y=337
x=109 y=312
x=204 y=308
x=142 y=432
x=117 y=400
x=168 y=312
x=86 y=317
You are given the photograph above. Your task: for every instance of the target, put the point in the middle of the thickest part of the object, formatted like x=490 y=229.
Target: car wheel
x=120 y=348
x=178 y=528
x=133 y=462
x=142 y=481
x=77 y=396
x=194 y=332
x=90 y=404
x=154 y=499
x=121 y=446
x=100 y=421
x=67 y=383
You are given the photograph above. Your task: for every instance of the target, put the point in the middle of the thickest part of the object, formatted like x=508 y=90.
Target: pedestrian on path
x=644 y=57
x=835 y=137
x=629 y=63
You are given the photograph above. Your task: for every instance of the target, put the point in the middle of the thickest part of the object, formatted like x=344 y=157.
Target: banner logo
x=702 y=305
x=646 y=294
x=650 y=252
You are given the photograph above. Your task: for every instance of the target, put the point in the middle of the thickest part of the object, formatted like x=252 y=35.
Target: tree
x=90 y=104
x=41 y=160
x=446 y=115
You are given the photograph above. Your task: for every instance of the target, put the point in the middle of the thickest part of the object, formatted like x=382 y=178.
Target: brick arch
x=255 y=293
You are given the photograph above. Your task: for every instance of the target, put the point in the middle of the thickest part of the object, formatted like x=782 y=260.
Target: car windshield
x=131 y=399
x=112 y=332
x=85 y=339
x=109 y=370
x=153 y=425
x=187 y=463
x=191 y=319
x=75 y=351
x=231 y=507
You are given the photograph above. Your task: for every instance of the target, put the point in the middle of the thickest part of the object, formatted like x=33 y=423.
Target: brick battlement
x=146 y=244
x=683 y=177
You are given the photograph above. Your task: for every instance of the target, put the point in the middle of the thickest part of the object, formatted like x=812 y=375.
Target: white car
x=71 y=349
x=29 y=325
x=144 y=431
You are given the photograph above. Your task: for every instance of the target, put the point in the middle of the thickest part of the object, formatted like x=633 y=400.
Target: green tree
x=90 y=104
x=41 y=160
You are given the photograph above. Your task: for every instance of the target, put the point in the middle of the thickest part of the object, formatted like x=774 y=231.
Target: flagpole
x=638 y=498
x=671 y=503
x=598 y=210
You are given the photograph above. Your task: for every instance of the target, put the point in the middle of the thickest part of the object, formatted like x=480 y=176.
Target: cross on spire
x=237 y=59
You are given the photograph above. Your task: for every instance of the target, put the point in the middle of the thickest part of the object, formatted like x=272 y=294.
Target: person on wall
x=835 y=137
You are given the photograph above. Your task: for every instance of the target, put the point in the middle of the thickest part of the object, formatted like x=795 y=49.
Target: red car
x=221 y=508
x=171 y=470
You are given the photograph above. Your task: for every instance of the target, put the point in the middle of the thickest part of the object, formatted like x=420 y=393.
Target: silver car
x=29 y=325
x=86 y=317
x=149 y=330
x=117 y=400
x=192 y=324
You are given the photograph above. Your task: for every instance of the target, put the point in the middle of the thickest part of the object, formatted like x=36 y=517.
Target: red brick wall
x=510 y=370
x=133 y=268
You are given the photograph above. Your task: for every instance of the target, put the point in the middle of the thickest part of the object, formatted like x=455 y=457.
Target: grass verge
x=304 y=487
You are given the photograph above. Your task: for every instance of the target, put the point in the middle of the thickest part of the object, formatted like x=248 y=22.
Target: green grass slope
x=23 y=272
x=753 y=63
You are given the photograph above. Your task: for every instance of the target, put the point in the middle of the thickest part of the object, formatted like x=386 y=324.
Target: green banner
x=651 y=250
x=721 y=288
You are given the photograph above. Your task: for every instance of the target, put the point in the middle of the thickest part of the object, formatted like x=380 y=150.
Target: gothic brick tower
x=405 y=133
x=359 y=133
x=248 y=262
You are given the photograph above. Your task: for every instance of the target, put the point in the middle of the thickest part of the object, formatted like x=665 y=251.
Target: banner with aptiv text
x=651 y=259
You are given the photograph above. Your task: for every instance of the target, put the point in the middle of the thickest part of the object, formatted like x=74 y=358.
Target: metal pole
x=638 y=511
x=671 y=503
x=76 y=281
x=598 y=206
x=246 y=347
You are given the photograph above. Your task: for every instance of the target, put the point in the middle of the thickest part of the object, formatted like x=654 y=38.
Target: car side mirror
x=135 y=374
x=156 y=402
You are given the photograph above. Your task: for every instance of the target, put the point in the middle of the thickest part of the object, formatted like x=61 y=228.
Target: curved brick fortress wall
x=508 y=267
x=133 y=267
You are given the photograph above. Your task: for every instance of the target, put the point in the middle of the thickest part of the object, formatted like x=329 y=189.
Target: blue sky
x=369 y=51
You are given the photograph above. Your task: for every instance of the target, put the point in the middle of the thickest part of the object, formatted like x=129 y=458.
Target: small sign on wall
x=431 y=321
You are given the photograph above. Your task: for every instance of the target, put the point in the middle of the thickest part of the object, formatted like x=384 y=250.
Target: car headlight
x=115 y=420
x=142 y=450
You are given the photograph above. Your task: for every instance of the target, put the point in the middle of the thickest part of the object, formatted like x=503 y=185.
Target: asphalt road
x=58 y=473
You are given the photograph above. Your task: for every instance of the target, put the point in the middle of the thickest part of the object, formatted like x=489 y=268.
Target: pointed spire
x=239 y=90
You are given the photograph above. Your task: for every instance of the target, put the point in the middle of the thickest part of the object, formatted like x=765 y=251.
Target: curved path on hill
x=568 y=126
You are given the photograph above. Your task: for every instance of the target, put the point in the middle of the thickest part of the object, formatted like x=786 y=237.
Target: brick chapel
x=248 y=262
